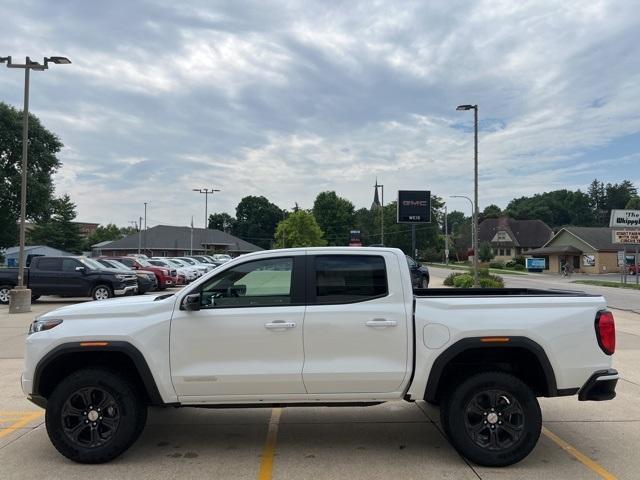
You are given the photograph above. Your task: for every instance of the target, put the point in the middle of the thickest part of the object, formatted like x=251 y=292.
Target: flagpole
x=191 y=235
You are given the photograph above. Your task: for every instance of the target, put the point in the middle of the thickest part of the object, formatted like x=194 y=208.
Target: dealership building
x=170 y=241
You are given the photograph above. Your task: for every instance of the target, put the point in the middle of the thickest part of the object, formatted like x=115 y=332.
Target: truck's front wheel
x=94 y=415
x=492 y=418
x=101 y=292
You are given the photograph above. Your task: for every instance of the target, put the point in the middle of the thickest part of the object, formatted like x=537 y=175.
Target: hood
x=139 y=305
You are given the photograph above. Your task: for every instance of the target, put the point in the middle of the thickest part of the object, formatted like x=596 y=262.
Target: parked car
x=166 y=277
x=190 y=271
x=147 y=281
x=194 y=263
x=222 y=257
x=181 y=276
x=633 y=269
x=419 y=273
x=69 y=277
x=353 y=332
x=203 y=260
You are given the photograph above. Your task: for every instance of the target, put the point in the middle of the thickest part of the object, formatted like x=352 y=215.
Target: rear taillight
x=606 y=331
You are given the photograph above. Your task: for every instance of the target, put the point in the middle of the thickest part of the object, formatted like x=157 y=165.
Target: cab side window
x=349 y=278
x=253 y=284
x=70 y=264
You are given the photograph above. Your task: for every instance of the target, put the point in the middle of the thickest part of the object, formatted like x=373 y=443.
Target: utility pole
x=145 y=226
x=20 y=296
x=139 y=233
x=191 y=250
x=413 y=242
x=206 y=192
x=446 y=237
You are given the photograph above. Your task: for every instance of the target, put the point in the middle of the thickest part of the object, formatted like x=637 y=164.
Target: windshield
x=158 y=263
x=189 y=261
x=119 y=265
x=92 y=264
x=177 y=263
x=143 y=261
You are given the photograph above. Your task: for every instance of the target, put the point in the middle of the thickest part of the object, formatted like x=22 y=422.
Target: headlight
x=44 y=324
x=165 y=272
x=120 y=276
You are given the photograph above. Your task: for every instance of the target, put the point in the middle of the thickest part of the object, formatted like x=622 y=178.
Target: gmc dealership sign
x=414 y=206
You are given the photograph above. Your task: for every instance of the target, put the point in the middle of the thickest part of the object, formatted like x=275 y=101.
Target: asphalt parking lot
x=580 y=440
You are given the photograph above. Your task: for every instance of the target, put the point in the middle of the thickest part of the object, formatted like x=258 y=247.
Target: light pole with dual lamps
x=475 y=189
x=20 y=296
x=206 y=192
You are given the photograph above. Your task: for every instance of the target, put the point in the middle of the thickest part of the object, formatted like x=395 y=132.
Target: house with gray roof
x=171 y=241
x=587 y=249
x=510 y=238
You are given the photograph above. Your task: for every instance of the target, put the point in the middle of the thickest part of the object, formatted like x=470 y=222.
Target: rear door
x=44 y=276
x=356 y=324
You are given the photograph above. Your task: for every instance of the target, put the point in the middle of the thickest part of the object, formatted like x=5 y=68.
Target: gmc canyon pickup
x=319 y=326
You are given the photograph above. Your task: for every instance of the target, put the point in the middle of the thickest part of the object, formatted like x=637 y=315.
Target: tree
x=335 y=216
x=59 y=231
x=619 y=194
x=556 y=208
x=102 y=234
x=222 y=221
x=485 y=253
x=299 y=229
x=43 y=162
x=633 y=203
x=491 y=211
x=256 y=220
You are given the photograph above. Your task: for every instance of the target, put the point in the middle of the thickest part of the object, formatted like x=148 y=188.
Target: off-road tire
x=129 y=405
x=458 y=415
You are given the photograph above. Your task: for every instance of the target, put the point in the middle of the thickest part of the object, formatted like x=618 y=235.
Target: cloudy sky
x=287 y=99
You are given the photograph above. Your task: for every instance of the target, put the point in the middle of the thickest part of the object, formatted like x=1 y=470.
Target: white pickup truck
x=319 y=326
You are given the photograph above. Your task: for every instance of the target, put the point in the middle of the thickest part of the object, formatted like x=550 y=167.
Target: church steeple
x=376 y=199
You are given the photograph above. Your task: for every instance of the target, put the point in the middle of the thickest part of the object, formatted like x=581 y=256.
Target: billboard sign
x=535 y=264
x=414 y=206
x=626 y=237
x=625 y=219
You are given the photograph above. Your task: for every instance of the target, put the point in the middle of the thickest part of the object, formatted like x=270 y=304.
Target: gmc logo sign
x=414 y=206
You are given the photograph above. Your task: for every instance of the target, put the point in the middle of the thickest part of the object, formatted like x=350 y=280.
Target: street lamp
x=20 y=298
x=475 y=189
x=206 y=192
x=473 y=234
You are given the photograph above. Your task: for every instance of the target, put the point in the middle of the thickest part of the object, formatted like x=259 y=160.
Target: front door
x=355 y=328
x=246 y=340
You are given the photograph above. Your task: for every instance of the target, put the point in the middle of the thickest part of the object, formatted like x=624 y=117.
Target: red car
x=633 y=269
x=166 y=277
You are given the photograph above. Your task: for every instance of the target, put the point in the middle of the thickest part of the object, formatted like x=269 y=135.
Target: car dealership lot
x=581 y=440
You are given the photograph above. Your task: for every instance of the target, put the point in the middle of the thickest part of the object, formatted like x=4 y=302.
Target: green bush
x=499 y=265
x=520 y=260
x=449 y=280
x=491 y=281
x=483 y=272
x=520 y=268
x=463 y=281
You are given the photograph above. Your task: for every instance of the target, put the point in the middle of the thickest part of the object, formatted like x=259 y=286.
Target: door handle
x=279 y=324
x=381 y=322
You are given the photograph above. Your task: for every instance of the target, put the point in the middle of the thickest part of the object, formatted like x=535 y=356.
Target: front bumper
x=600 y=386
x=130 y=289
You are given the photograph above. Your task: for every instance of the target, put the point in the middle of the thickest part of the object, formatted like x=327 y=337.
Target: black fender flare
x=435 y=374
x=148 y=381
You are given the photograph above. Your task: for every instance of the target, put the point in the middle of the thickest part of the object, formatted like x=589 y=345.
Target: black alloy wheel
x=494 y=419
x=90 y=417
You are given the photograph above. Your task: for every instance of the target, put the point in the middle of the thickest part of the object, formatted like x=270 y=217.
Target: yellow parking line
x=24 y=420
x=266 y=466
x=578 y=455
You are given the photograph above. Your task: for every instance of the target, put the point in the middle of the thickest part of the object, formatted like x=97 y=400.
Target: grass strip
x=604 y=283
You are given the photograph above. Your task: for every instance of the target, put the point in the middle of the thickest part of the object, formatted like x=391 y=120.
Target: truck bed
x=497 y=292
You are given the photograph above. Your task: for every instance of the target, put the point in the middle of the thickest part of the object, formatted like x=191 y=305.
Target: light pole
x=446 y=237
x=474 y=239
x=20 y=297
x=475 y=189
x=206 y=192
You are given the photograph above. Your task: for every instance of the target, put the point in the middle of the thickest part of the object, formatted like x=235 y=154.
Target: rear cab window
x=348 y=278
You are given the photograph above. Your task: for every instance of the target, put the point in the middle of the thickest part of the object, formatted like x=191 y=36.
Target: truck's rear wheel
x=4 y=294
x=101 y=292
x=492 y=418
x=94 y=415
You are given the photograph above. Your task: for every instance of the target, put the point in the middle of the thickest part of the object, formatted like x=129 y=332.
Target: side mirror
x=191 y=302
x=80 y=269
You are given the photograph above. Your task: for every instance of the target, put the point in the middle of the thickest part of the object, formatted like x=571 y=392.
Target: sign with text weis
x=414 y=206
x=625 y=219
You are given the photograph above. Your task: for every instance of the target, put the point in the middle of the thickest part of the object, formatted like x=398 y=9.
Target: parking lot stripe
x=22 y=422
x=266 y=466
x=578 y=455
